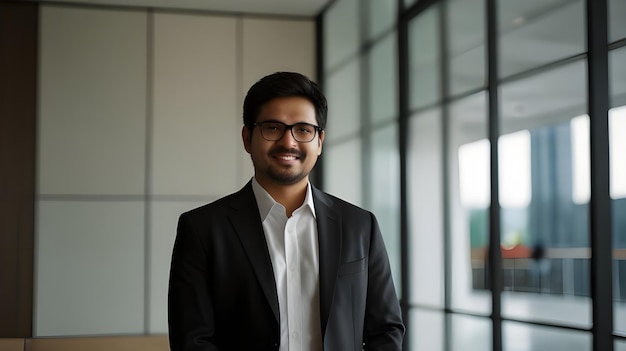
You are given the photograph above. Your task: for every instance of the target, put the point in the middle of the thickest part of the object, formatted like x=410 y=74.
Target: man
x=280 y=265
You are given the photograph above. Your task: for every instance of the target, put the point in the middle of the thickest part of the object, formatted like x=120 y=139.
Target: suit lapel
x=252 y=237
x=329 y=238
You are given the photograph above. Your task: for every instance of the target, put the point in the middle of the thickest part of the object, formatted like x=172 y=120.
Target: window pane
x=534 y=33
x=344 y=101
x=466 y=44
x=524 y=337
x=470 y=333
x=617 y=25
x=383 y=82
x=424 y=60
x=426 y=330
x=544 y=99
x=381 y=16
x=341 y=32
x=545 y=235
x=469 y=203
x=426 y=209
x=342 y=170
x=385 y=192
x=617 y=153
x=617 y=76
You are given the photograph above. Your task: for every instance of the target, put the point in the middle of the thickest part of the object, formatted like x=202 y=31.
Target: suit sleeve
x=383 y=327
x=190 y=310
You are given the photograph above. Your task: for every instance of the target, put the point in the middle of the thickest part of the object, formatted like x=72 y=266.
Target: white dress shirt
x=294 y=252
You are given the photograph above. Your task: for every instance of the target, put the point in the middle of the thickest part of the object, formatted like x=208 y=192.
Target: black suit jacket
x=222 y=294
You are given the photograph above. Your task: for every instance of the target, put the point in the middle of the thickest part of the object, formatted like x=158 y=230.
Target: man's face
x=284 y=161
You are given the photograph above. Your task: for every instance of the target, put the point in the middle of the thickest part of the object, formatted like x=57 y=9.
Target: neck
x=290 y=196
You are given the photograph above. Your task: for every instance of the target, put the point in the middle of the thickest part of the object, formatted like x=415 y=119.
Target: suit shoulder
x=217 y=207
x=345 y=206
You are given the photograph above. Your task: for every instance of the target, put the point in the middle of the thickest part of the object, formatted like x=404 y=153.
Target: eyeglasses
x=301 y=132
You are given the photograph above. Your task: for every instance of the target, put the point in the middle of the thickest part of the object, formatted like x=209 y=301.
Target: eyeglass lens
x=302 y=132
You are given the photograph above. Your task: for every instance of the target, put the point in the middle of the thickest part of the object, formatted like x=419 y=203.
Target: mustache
x=284 y=150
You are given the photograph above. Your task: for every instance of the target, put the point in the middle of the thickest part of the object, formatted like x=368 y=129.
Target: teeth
x=287 y=158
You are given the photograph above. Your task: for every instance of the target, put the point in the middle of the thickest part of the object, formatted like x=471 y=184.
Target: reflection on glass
x=534 y=33
x=469 y=203
x=617 y=154
x=471 y=333
x=426 y=209
x=617 y=25
x=426 y=330
x=384 y=193
x=545 y=237
x=381 y=16
x=525 y=337
x=424 y=58
x=341 y=32
x=382 y=68
x=466 y=44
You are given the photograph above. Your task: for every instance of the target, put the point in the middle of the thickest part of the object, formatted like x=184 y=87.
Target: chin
x=287 y=179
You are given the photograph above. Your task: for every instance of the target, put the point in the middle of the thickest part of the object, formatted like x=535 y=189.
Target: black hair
x=283 y=84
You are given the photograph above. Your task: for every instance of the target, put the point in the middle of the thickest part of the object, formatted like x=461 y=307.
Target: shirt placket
x=294 y=293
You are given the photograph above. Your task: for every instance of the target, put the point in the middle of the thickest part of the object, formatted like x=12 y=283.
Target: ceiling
x=306 y=8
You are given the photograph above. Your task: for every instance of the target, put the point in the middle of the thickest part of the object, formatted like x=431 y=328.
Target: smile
x=287 y=157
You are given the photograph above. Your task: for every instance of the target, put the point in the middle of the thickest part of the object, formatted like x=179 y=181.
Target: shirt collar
x=265 y=202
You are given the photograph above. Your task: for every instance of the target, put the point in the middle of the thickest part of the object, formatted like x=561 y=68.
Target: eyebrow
x=277 y=121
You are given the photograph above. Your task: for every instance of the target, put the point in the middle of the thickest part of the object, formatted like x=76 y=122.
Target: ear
x=246 y=136
x=320 y=141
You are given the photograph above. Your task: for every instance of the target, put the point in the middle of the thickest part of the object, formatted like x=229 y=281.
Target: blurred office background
x=488 y=136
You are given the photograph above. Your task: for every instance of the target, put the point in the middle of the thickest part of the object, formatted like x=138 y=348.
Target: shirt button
x=292 y=267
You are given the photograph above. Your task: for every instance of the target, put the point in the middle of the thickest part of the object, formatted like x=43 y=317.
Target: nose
x=287 y=138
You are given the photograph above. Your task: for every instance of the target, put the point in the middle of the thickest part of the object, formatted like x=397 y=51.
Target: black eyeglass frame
x=317 y=129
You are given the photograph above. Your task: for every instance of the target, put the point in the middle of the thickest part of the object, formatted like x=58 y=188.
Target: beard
x=285 y=175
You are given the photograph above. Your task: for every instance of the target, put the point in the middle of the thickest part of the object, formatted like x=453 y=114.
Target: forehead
x=291 y=109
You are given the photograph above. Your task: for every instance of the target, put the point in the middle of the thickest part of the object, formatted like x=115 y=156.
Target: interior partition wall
x=507 y=229
x=139 y=119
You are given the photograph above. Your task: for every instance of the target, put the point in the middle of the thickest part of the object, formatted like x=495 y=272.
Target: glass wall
x=617 y=154
x=544 y=194
x=361 y=150
x=457 y=97
x=468 y=199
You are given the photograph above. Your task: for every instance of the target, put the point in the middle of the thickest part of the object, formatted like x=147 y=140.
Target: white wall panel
x=92 y=101
x=196 y=128
x=110 y=81
x=89 y=268
x=271 y=45
x=163 y=224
